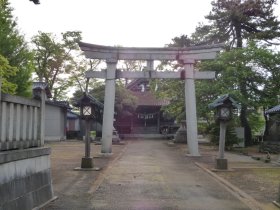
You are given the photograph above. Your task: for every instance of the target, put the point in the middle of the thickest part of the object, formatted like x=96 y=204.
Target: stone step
x=145 y=130
x=146 y=136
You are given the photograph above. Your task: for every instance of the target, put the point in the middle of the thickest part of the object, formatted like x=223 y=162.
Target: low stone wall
x=25 y=178
x=270 y=146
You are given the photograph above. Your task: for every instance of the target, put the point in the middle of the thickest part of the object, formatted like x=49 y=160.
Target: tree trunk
x=239 y=42
x=243 y=116
x=266 y=124
x=246 y=126
x=243 y=90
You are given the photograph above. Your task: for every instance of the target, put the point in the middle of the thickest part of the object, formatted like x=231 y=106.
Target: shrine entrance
x=186 y=56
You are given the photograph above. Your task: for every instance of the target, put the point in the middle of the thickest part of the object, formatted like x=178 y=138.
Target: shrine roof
x=148 y=99
x=134 y=84
x=273 y=110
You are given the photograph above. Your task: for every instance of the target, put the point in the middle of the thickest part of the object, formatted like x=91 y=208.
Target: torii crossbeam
x=187 y=56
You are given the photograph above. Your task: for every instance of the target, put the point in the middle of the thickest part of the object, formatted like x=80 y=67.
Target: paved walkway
x=145 y=175
x=150 y=175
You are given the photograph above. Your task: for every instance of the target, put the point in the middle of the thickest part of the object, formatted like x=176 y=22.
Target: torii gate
x=187 y=56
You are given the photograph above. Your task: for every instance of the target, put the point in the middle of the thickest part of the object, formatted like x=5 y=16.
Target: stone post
x=190 y=103
x=42 y=116
x=109 y=102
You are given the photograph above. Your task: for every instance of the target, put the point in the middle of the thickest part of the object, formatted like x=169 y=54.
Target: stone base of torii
x=186 y=56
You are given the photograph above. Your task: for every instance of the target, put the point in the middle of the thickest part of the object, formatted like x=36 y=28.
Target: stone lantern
x=87 y=113
x=224 y=106
x=86 y=108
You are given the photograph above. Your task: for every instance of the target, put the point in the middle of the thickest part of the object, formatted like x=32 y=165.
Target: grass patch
x=272 y=174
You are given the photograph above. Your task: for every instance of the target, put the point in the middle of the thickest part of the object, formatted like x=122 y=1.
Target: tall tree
x=54 y=59
x=14 y=48
x=236 y=22
x=256 y=67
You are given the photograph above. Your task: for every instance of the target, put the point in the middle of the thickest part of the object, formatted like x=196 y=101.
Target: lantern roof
x=92 y=101
x=222 y=100
x=273 y=110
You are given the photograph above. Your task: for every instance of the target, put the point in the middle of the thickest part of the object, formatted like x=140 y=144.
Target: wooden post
x=87 y=139
x=87 y=161
x=222 y=140
x=221 y=162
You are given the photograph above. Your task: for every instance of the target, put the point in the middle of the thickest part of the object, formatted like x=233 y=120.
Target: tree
x=6 y=71
x=237 y=21
x=14 y=48
x=234 y=21
x=257 y=68
x=55 y=61
x=169 y=88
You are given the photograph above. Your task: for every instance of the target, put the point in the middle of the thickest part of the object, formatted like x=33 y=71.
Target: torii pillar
x=109 y=103
x=190 y=107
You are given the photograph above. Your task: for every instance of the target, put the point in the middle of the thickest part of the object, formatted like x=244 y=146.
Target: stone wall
x=25 y=178
x=20 y=122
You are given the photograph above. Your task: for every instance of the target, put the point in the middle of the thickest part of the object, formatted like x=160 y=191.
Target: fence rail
x=20 y=122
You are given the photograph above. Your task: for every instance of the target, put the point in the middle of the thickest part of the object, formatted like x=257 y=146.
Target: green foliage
x=124 y=99
x=202 y=128
x=55 y=61
x=257 y=122
x=174 y=91
x=249 y=74
x=234 y=21
x=6 y=71
x=231 y=138
x=14 y=48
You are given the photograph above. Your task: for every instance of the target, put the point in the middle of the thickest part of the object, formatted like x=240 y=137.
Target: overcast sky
x=151 y=23
x=139 y=23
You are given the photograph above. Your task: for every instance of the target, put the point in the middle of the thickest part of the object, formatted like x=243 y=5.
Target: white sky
x=139 y=23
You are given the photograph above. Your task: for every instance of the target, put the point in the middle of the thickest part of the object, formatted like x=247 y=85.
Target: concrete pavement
x=151 y=175
x=148 y=174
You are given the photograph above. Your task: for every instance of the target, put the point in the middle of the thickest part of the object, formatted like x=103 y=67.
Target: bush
x=231 y=138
